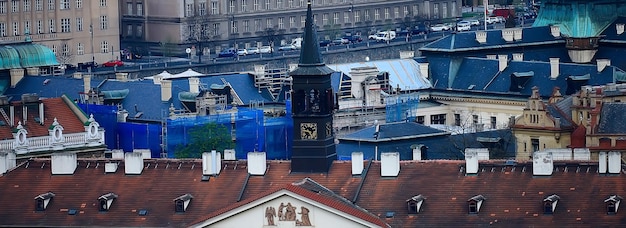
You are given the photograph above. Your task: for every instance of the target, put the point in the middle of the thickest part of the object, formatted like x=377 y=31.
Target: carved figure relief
x=287 y=213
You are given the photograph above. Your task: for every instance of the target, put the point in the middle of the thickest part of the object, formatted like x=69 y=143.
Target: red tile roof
x=513 y=196
x=53 y=108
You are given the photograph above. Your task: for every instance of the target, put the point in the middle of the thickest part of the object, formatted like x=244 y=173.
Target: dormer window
x=106 y=200
x=549 y=204
x=414 y=204
x=181 y=202
x=474 y=204
x=612 y=204
x=42 y=201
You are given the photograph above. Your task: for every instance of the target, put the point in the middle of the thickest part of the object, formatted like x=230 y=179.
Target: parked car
x=324 y=43
x=474 y=22
x=287 y=47
x=463 y=23
x=491 y=20
x=266 y=50
x=253 y=50
x=341 y=41
x=113 y=63
x=353 y=38
x=439 y=27
x=419 y=29
x=242 y=52
x=463 y=27
x=229 y=52
x=87 y=65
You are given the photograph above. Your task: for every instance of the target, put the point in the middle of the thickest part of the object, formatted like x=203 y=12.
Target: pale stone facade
x=65 y=27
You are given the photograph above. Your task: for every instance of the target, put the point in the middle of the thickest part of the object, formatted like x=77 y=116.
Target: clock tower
x=313 y=106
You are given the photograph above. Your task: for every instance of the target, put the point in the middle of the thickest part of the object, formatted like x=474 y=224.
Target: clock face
x=329 y=129
x=308 y=130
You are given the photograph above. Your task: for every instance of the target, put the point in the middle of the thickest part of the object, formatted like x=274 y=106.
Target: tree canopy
x=204 y=138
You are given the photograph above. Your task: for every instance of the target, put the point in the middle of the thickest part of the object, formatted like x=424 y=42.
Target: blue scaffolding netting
x=401 y=107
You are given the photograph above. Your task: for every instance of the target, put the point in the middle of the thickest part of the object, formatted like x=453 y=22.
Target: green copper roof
x=115 y=94
x=187 y=96
x=26 y=55
x=580 y=18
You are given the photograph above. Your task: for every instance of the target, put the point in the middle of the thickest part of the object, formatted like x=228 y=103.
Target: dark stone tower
x=313 y=106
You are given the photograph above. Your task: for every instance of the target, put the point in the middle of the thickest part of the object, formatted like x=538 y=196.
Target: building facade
x=215 y=25
x=77 y=31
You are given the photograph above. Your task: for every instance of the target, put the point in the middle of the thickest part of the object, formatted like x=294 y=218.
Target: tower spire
x=310 y=53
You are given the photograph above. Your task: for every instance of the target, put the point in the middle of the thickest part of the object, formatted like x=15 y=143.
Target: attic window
x=549 y=204
x=612 y=204
x=42 y=201
x=474 y=204
x=181 y=202
x=414 y=204
x=143 y=212
x=106 y=200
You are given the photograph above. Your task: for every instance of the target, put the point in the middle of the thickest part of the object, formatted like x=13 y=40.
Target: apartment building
x=77 y=31
x=214 y=25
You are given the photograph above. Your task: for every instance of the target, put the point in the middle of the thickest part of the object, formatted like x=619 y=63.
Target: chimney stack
x=230 y=155
x=518 y=56
x=481 y=37
x=507 y=35
x=166 y=90
x=257 y=163
x=133 y=163
x=615 y=162
x=357 y=163
x=492 y=56
x=424 y=70
x=582 y=154
x=619 y=28
x=390 y=164
x=542 y=163
x=502 y=62
x=7 y=162
x=555 y=30
x=194 y=85
x=211 y=163
x=86 y=83
x=63 y=163
x=471 y=161
x=602 y=63
x=517 y=34
x=554 y=68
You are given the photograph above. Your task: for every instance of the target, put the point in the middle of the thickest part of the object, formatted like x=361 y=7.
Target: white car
x=474 y=22
x=266 y=50
x=242 y=52
x=491 y=20
x=463 y=27
x=439 y=27
x=253 y=50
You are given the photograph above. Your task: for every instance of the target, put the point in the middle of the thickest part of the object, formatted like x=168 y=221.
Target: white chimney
x=133 y=163
x=357 y=163
x=117 y=154
x=86 y=83
x=502 y=62
x=292 y=66
x=110 y=167
x=602 y=165
x=417 y=153
x=481 y=37
x=492 y=56
x=424 y=70
x=471 y=161
x=560 y=154
x=407 y=54
x=518 y=56
x=166 y=90
x=517 y=34
x=259 y=70
x=156 y=79
x=257 y=163
x=120 y=76
x=390 y=164
x=230 y=155
x=602 y=63
x=555 y=30
x=211 y=163
x=615 y=162
x=582 y=154
x=619 y=28
x=507 y=35
x=542 y=163
x=63 y=163
x=7 y=161
x=145 y=153
x=194 y=85
x=554 y=68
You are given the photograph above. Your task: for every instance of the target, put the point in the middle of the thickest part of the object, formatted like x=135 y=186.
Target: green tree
x=204 y=138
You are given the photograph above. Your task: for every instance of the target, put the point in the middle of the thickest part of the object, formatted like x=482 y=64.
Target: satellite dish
x=188 y=50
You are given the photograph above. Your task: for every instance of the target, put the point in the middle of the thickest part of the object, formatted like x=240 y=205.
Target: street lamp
x=93 y=54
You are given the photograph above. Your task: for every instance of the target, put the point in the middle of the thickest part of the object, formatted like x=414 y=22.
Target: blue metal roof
x=610 y=113
x=54 y=86
x=403 y=72
x=393 y=131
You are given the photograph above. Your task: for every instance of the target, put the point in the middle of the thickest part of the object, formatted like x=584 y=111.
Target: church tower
x=313 y=106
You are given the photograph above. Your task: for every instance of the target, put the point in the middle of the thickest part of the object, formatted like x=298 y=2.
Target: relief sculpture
x=287 y=213
x=270 y=212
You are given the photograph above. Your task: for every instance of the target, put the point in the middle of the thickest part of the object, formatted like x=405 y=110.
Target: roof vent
x=619 y=28
x=106 y=200
x=414 y=204
x=63 y=163
x=549 y=204
x=474 y=204
x=555 y=30
x=481 y=37
x=542 y=163
x=582 y=154
x=257 y=164
x=230 y=155
x=133 y=163
x=612 y=204
x=211 y=163
x=357 y=163
x=390 y=164
x=110 y=167
x=518 y=56
x=181 y=202
x=471 y=161
x=42 y=201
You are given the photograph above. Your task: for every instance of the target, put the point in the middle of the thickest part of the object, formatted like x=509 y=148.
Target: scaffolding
x=401 y=107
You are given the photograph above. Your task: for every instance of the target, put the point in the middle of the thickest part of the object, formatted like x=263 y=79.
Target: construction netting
x=401 y=107
x=106 y=116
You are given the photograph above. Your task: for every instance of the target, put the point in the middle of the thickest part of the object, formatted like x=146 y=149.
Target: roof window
x=414 y=204
x=106 y=200
x=474 y=204
x=612 y=204
x=181 y=202
x=42 y=201
x=549 y=204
